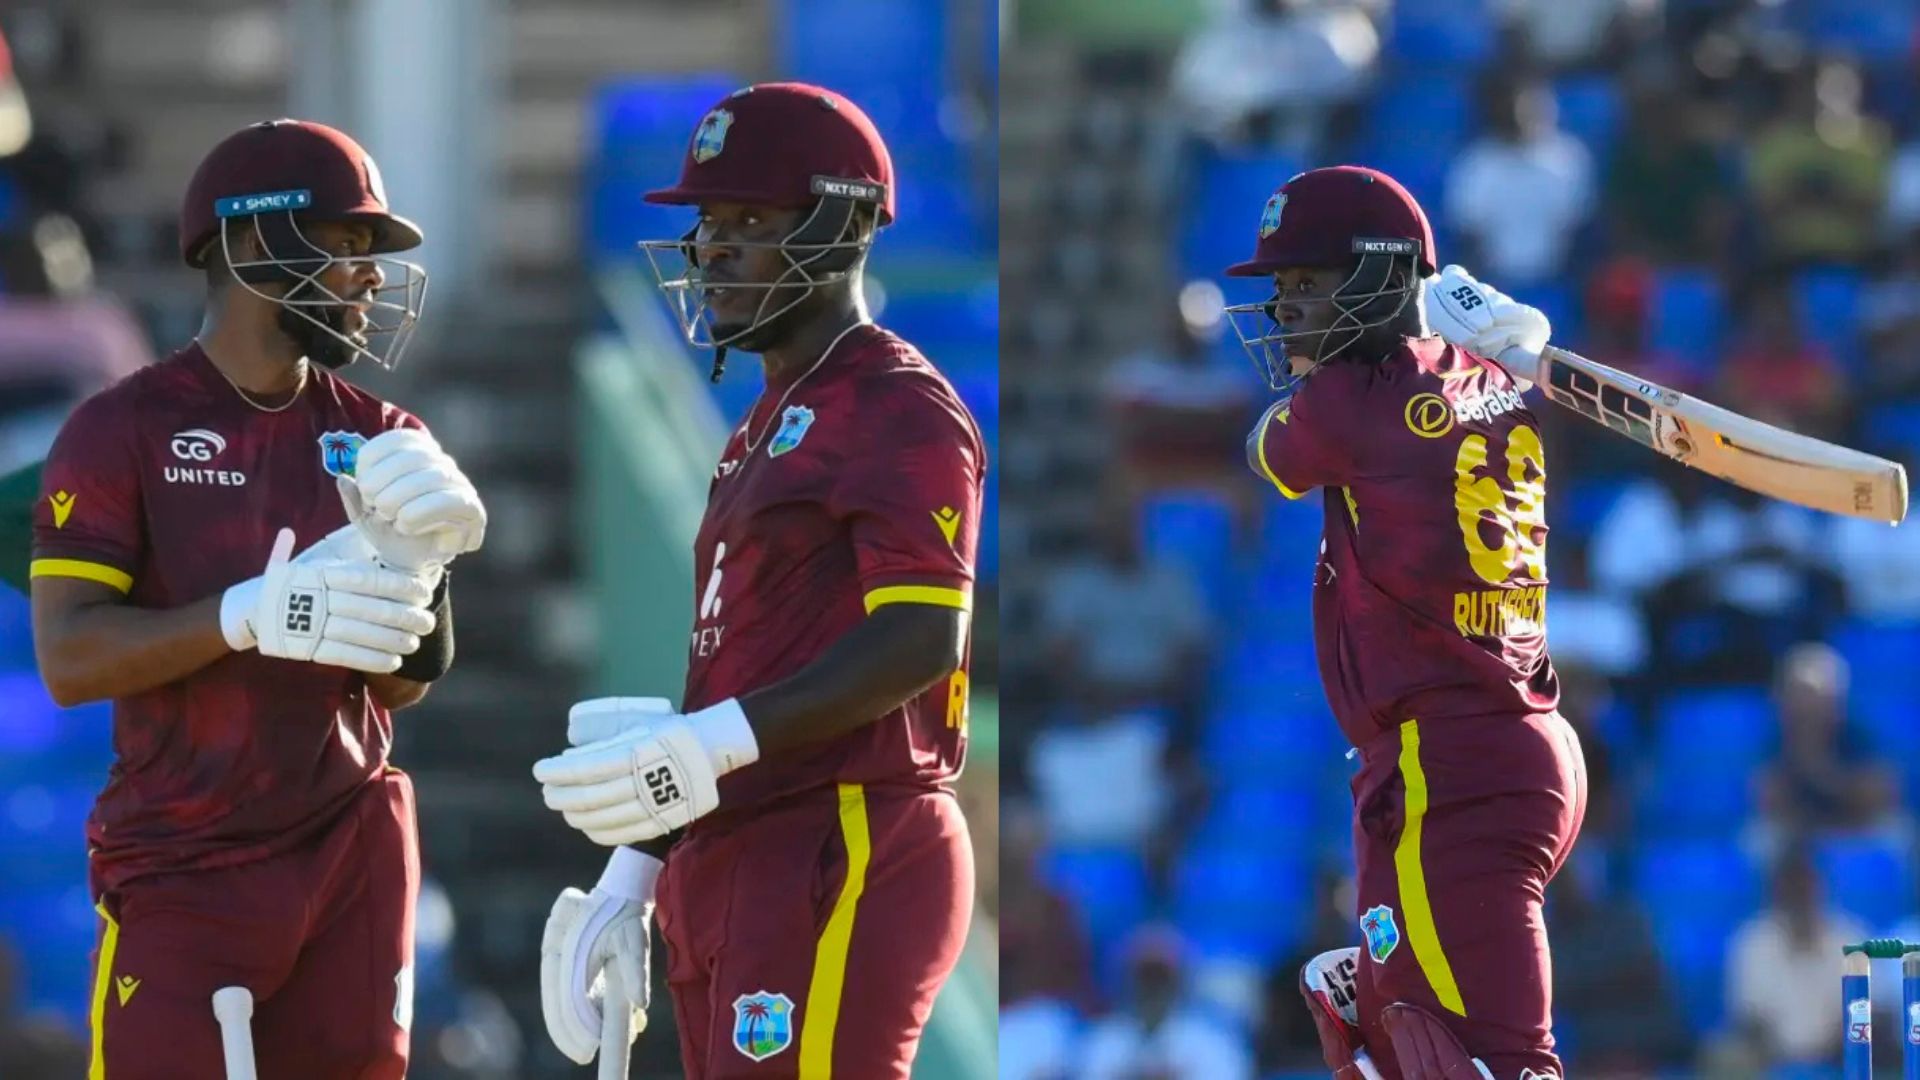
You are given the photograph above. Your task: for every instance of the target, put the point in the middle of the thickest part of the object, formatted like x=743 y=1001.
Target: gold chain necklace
x=754 y=444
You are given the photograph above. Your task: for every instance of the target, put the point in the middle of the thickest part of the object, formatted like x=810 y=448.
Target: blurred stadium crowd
x=104 y=108
x=1723 y=195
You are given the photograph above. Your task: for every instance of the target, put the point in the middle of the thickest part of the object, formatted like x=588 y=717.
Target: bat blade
x=1771 y=461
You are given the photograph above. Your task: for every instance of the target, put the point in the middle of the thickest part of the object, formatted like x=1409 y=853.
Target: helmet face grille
x=392 y=308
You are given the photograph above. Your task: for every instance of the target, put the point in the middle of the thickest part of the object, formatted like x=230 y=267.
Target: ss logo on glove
x=661 y=786
x=1467 y=298
x=300 y=613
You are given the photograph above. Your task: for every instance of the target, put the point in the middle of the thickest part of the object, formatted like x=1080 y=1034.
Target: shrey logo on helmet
x=266 y=180
x=788 y=146
x=1344 y=215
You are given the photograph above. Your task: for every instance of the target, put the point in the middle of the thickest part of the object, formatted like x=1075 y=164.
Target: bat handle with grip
x=233 y=1008
x=616 y=1030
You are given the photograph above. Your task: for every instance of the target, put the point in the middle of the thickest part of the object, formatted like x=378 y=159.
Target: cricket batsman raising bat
x=1429 y=617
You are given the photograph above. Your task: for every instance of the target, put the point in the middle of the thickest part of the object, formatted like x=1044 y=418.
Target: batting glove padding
x=415 y=505
x=595 y=954
x=1487 y=322
x=659 y=774
x=340 y=613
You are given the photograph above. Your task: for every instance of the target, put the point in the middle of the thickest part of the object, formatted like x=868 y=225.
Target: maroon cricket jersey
x=1430 y=593
x=856 y=486
x=169 y=487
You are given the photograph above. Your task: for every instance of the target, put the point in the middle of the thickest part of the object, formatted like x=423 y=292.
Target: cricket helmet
x=269 y=178
x=1341 y=216
x=786 y=145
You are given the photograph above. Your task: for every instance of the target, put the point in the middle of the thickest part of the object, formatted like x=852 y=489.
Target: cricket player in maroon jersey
x=1429 y=618
x=821 y=884
x=251 y=832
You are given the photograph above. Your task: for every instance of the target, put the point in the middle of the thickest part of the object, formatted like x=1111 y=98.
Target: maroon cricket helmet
x=308 y=168
x=1330 y=216
x=785 y=145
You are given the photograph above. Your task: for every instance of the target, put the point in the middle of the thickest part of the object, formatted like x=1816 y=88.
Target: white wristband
x=631 y=874
x=724 y=731
x=236 y=615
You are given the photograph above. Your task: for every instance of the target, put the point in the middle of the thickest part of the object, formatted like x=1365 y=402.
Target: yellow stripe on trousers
x=102 y=981
x=1421 y=933
x=830 y=953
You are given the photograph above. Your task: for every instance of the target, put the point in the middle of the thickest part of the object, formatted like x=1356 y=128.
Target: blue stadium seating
x=1880 y=654
x=1448 y=34
x=1877 y=31
x=52 y=927
x=1271 y=816
x=864 y=47
x=1108 y=885
x=1590 y=110
x=1870 y=876
x=16 y=632
x=639 y=134
x=1828 y=302
x=1707 y=878
x=1193 y=530
x=1736 y=725
x=1234 y=902
x=1579 y=505
x=1895 y=425
x=1689 y=314
x=1694 y=952
x=43 y=830
x=1270 y=736
x=1223 y=221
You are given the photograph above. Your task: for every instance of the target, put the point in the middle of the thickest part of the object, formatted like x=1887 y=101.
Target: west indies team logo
x=1382 y=934
x=793 y=427
x=340 y=451
x=711 y=136
x=1270 y=217
x=762 y=1024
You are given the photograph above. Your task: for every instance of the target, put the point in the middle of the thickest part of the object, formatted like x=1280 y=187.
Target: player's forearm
x=103 y=651
x=893 y=655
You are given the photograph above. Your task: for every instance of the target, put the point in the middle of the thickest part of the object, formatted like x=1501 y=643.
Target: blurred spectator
x=1608 y=985
x=1042 y=948
x=1773 y=373
x=1122 y=632
x=1158 y=1036
x=1178 y=416
x=1727 y=577
x=1782 y=969
x=1563 y=34
x=1037 y=1039
x=1890 y=323
x=1818 y=172
x=1667 y=191
x=1269 y=71
x=16 y=119
x=1517 y=195
x=1101 y=780
x=1825 y=776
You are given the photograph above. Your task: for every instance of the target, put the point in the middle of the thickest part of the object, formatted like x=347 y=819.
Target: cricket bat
x=1757 y=456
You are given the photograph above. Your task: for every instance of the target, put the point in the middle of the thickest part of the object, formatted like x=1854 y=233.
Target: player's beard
x=323 y=348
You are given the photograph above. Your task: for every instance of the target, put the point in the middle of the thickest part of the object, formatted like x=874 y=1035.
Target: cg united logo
x=1429 y=416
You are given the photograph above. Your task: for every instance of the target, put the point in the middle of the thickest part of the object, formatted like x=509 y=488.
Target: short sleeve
x=909 y=492
x=87 y=522
x=1307 y=441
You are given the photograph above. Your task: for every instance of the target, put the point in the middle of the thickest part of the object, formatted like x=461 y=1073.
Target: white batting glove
x=350 y=542
x=659 y=774
x=1484 y=321
x=410 y=497
x=596 y=954
x=344 y=614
